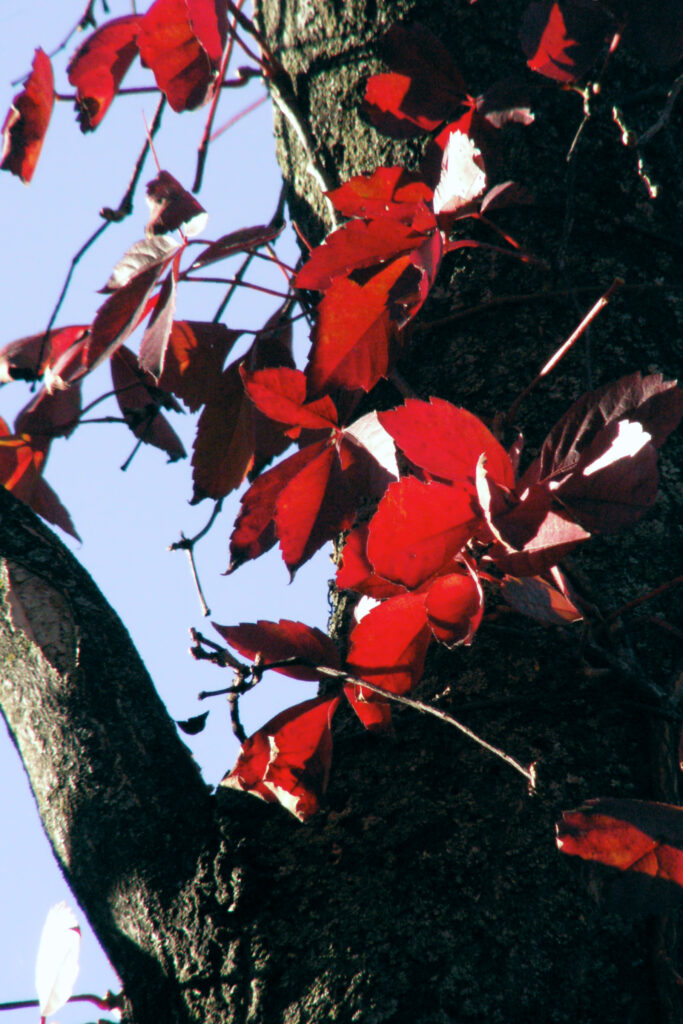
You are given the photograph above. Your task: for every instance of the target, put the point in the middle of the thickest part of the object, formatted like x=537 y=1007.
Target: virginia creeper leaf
x=288 y=760
x=562 y=40
x=194 y=360
x=276 y=641
x=171 y=207
x=57 y=960
x=223 y=449
x=535 y=597
x=168 y=43
x=20 y=359
x=243 y=240
x=389 y=644
x=27 y=121
x=97 y=68
x=455 y=607
x=280 y=394
x=148 y=252
x=389 y=192
x=140 y=401
x=152 y=355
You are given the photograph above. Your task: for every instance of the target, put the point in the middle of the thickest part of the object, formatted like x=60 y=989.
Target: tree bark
x=429 y=890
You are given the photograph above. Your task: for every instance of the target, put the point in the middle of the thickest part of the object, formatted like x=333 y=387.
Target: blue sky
x=127 y=520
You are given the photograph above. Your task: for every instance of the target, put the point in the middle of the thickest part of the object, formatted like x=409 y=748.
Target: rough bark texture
x=429 y=891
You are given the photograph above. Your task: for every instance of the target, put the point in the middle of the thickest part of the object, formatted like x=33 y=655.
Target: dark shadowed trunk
x=429 y=890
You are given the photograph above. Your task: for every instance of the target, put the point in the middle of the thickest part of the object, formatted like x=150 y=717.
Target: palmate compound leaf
x=631 y=835
x=277 y=641
x=280 y=394
x=179 y=41
x=97 y=68
x=57 y=960
x=389 y=192
x=194 y=360
x=288 y=760
x=28 y=119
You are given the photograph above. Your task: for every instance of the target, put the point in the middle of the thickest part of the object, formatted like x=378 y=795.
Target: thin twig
x=564 y=348
x=195 y=576
x=189 y=542
x=676 y=582
x=665 y=115
x=238 y=117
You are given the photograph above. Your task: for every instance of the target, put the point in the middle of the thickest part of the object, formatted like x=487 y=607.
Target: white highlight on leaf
x=364 y=606
x=462 y=179
x=57 y=960
x=371 y=435
x=140 y=255
x=630 y=439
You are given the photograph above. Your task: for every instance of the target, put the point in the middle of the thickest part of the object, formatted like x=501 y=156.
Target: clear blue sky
x=127 y=520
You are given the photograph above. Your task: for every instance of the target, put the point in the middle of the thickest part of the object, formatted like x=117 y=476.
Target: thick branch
x=120 y=797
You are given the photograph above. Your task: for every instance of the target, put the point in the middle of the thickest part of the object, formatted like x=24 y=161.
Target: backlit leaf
x=184 y=70
x=99 y=65
x=27 y=121
x=288 y=760
x=389 y=644
x=140 y=402
x=171 y=207
x=276 y=641
x=57 y=959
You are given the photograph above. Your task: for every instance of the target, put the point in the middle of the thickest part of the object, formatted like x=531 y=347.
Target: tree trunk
x=429 y=890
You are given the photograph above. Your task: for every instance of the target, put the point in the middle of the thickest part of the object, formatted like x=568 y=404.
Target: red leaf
x=275 y=641
x=22 y=461
x=374 y=714
x=563 y=40
x=356 y=572
x=355 y=334
x=632 y=835
x=447 y=441
x=184 y=70
x=99 y=65
x=254 y=530
x=223 y=450
x=389 y=644
x=425 y=89
x=27 y=121
x=19 y=360
x=288 y=760
x=243 y=240
x=535 y=597
x=355 y=245
x=389 y=192
x=194 y=360
x=280 y=394
x=455 y=607
x=171 y=207
x=210 y=25
x=313 y=507
x=417 y=529
x=140 y=400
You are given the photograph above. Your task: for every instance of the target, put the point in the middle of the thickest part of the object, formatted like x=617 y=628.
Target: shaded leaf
x=28 y=119
x=563 y=40
x=152 y=355
x=276 y=641
x=288 y=760
x=194 y=725
x=536 y=598
x=356 y=572
x=19 y=360
x=374 y=714
x=97 y=68
x=22 y=461
x=243 y=240
x=194 y=360
x=146 y=253
x=172 y=208
x=632 y=835
x=140 y=400
x=224 y=445
x=50 y=414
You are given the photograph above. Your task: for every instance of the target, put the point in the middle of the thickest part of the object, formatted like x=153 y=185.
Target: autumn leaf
x=194 y=361
x=223 y=449
x=455 y=607
x=140 y=400
x=632 y=835
x=278 y=641
x=563 y=40
x=22 y=461
x=173 y=208
x=28 y=358
x=288 y=760
x=389 y=644
x=97 y=68
x=242 y=240
x=169 y=44
x=57 y=960
x=389 y=192
x=27 y=121
x=535 y=597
